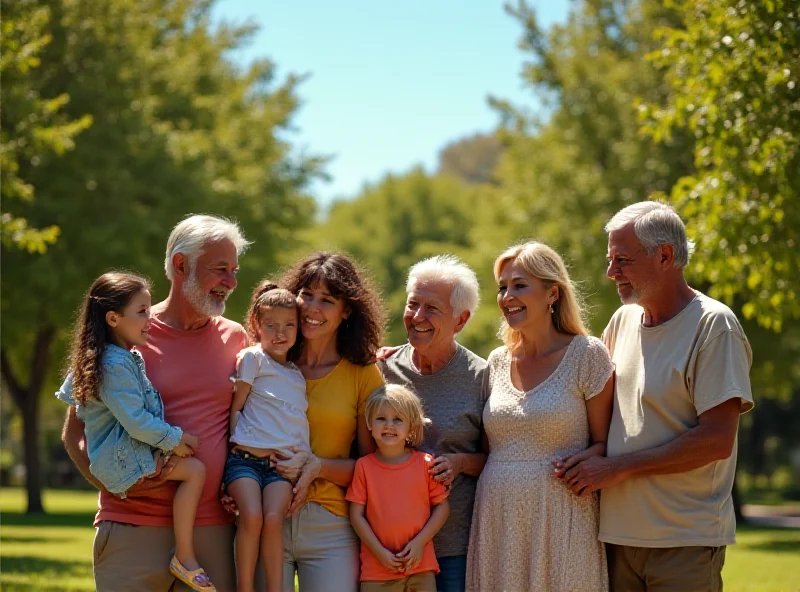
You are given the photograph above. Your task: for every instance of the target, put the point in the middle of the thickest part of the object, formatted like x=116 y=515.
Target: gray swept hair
x=449 y=269
x=193 y=233
x=655 y=224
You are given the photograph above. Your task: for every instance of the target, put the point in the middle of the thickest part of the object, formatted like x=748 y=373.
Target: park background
x=392 y=133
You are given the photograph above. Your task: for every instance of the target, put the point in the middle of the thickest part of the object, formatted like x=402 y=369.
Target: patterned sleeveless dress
x=529 y=531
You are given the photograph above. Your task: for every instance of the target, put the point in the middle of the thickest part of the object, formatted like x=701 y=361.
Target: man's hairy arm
x=712 y=439
x=74 y=439
x=73 y=436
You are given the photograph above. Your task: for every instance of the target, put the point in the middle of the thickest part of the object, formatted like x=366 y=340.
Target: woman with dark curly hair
x=341 y=322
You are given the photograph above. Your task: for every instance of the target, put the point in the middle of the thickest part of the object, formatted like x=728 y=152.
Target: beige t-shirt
x=666 y=376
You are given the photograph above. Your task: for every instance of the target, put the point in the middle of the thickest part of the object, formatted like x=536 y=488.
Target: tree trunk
x=33 y=473
x=27 y=400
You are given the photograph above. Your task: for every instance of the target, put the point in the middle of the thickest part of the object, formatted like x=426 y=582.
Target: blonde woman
x=551 y=392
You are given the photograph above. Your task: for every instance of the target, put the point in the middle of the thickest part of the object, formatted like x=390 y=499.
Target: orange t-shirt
x=191 y=370
x=398 y=499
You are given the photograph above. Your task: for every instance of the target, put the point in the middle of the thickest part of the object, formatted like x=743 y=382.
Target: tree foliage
x=33 y=127
x=472 y=159
x=563 y=174
x=732 y=72
x=397 y=222
x=177 y=128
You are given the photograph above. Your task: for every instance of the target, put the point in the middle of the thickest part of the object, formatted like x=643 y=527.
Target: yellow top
x=334 y=403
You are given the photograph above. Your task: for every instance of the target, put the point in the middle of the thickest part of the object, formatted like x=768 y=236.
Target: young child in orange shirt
x=396 y=507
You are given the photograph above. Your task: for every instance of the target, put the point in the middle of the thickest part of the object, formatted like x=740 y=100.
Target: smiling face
x=389 y=428
x=320 y=312
x=632 y=269
x=277 y=330
x=129 y=327
x=429 y=318
x=523 y=299
x=211 y=278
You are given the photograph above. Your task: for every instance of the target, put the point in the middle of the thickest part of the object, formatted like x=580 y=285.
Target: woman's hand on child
x=389 y=560
x=411 y=554
x=290 y=463
x=187 y=446
x=310 y=472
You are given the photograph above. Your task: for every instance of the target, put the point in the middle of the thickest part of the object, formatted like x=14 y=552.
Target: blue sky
x=390 y=82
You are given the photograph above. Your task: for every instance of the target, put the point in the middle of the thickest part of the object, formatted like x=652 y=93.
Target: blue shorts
x=240 y=466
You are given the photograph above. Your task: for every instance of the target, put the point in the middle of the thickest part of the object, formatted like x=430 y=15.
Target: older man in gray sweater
x=443 y=294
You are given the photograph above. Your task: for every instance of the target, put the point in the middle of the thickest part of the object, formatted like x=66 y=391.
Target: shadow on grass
x=43 y=566
x=783 y=540
x=25 y=540
x=51 y=520
x=775 y=547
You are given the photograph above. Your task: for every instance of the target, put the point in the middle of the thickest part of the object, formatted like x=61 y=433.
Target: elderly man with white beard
x=190 y=355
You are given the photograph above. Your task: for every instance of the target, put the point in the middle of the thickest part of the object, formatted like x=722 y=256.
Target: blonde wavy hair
x=542 y=262
x=405 y=403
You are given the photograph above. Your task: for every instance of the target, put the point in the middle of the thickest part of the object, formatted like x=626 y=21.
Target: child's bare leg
x=247 y=493
x=184 y=506
x=277 y=497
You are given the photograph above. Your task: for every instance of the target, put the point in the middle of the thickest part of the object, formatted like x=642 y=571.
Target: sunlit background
x=392 y=131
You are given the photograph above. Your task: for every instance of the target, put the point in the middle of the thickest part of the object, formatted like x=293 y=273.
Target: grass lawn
x=53 y=553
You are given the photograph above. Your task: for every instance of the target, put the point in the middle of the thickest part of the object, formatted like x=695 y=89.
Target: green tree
x=566 y=169
x=732 y=74
x=177 y=128
x=397 y=222
x=472 y=159
x=33 y=128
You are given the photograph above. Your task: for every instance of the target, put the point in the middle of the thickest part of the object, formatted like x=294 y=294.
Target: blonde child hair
x=405 y=403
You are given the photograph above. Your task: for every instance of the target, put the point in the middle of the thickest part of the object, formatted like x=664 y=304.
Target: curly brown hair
x=359 y=337
x=112 y=291
x=268 y=294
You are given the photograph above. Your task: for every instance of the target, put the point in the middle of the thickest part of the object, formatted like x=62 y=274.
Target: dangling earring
x=550 y=308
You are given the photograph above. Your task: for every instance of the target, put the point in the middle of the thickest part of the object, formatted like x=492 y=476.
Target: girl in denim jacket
x=123 y=413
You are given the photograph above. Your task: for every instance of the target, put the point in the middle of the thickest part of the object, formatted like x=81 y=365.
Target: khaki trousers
x=324 y=550
x=135 y=558
x=420 y=582
x=673 y=569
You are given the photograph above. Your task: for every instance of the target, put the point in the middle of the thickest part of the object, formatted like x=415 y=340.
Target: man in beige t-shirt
x=682 y=363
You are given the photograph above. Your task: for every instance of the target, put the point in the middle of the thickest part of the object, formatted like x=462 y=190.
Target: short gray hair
x=451 y=270
x=193 y=233
x=655 y=224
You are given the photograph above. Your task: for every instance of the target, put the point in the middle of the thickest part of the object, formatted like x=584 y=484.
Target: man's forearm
x=694 y=449
x=75 y=444
x=336 y=470
x=470 y=463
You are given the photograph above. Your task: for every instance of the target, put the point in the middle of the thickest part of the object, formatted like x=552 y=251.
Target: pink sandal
x=196 y=579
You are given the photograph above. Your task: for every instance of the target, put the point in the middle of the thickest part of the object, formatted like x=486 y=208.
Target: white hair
x=655 y=224
x=450 y=270
x=192 y=234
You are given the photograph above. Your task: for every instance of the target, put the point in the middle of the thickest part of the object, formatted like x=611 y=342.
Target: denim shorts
x=237 y=467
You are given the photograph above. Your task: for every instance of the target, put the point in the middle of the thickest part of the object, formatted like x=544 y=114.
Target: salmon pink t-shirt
x=191 y=370
x=398 y=500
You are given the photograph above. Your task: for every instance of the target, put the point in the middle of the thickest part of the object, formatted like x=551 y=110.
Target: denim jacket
x=126 y=424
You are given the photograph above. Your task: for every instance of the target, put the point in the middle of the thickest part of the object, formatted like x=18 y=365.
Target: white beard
x=202 y=302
